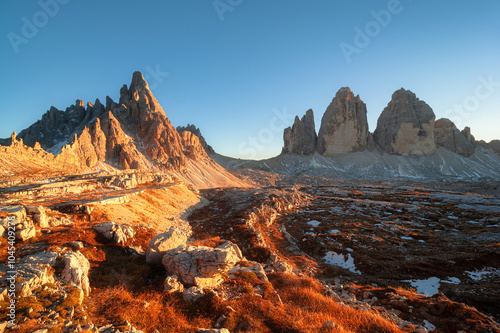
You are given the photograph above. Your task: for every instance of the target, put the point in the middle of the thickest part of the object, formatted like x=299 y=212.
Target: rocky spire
x=301 y=137
x=406 y=125
x=344 y=127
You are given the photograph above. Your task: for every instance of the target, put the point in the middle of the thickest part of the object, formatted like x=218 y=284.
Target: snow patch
x=336 y=259
x=314 y=223
x=478 y=275
x=426 y=287
x=428 y=325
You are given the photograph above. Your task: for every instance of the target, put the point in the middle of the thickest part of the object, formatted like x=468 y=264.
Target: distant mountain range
x=407 y=143
x=135 y=133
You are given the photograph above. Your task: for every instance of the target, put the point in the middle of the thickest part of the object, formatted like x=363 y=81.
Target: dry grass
x=147 y=310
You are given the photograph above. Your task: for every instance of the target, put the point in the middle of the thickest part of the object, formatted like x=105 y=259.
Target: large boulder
x=116 y=233
x=39 y=215
x=301 y=137
x=406 y=126
x=194 y=264
x=76 y=270
x=344 y=127
x=163 y=242
x=448 y=136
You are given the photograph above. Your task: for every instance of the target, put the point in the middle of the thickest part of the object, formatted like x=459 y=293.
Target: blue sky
x=242 y=69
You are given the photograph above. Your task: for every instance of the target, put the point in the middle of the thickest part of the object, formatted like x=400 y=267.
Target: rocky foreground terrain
x=144 y=251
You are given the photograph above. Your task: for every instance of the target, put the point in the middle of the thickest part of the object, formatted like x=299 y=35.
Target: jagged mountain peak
x=132 y=134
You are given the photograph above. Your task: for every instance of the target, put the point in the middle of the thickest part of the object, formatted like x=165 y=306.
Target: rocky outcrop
x=196 y=131
x=470 y=138
x=495 y=146
x=448 y=136
x=406 y=126
x=344 y=127
x=34 y=271
x=200 y=265
x=301 y=138
x=164 y=242
x=118 y=234
x=76 y=270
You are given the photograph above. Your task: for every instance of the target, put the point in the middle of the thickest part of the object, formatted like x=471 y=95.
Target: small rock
x=192 y=294
x=76 y=245
x=213 y=330
x=172 y=285
x=329 y=324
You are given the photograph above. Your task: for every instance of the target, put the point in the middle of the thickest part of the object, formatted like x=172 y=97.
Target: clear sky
x=242 y=69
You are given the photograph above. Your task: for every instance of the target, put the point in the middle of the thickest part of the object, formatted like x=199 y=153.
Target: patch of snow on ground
x=314 y=223
x=336 y=259
x=426 y=287
x=407 y=238
x=478 y=275
x=452 y=280
x=335 y=231
x=428 y=325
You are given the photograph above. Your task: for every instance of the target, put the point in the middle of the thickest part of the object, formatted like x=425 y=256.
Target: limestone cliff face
x=406 y=126
x=448 y=136
x=344 y=127
x=301 y=138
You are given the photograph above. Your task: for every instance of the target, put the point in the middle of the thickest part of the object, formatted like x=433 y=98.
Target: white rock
x=189 y=262
x=163 y=242
x=76 y=270
x=26 y=233
x=119 y=234
x=172 y=285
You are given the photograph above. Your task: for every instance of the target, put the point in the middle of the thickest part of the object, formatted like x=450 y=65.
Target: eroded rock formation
x=196 y=131
x=344 y=127
x=406 y=126
x=448 y=136
x=301 y=138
